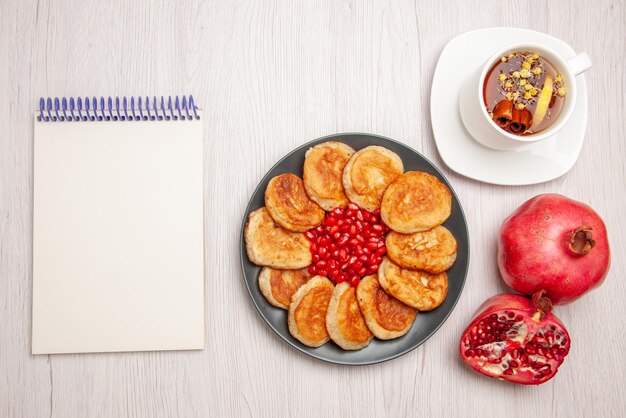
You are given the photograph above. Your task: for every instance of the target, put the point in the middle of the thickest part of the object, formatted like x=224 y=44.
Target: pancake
x=368 y=173
x=307 y=312
x=322 y=171
x=433 y=251
x=267 y=244
x=415 y=201
x=344 y=321
x=290 y=206
x=418 y=289
x=384 y=315
x=278 y=286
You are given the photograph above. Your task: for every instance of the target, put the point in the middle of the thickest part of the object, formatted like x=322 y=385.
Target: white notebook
x=118 y=258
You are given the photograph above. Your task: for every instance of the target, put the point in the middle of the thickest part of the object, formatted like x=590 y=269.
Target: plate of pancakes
x=354 y=248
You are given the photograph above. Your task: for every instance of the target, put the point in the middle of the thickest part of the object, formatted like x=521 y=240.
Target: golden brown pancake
x=385 y=315
x=415 y=201
x=267 y=244
x=433 y=251
x=278 y=286
x=368 y=173
x=307 y=312
x=290 y=206
x=415 y=288
x=344 y=321
x=323 y=168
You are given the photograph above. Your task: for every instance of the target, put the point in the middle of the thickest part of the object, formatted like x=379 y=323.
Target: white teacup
x=480 y=125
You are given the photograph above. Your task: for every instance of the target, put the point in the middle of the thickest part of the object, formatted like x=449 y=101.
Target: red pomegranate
x=555 y=244
x=516 y=339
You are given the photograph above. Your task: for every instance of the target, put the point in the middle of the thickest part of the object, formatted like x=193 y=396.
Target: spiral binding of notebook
x=115 y=109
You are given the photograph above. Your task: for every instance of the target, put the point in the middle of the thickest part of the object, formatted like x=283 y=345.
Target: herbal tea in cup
x=524 y=93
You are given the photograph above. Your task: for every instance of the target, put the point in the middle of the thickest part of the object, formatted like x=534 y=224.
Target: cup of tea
x=524 y=93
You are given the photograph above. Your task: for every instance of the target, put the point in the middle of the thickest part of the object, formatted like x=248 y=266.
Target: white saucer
x=536 y=163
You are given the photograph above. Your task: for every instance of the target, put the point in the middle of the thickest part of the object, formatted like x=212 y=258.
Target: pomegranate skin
x=535 y=248
x=529 y=318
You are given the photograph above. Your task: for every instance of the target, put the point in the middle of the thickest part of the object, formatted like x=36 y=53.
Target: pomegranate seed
x=371 y=245
x=343 y=240
x=348 y=245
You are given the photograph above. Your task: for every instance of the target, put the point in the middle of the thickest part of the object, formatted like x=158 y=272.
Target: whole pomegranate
x=555 y=244
x=516 y=339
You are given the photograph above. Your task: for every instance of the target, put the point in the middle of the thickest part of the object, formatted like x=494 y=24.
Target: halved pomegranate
x=516 y=339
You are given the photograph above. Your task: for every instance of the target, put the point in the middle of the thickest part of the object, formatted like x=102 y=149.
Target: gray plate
x=426 y=323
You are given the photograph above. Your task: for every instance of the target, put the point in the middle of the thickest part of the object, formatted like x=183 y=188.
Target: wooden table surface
x=272 y=75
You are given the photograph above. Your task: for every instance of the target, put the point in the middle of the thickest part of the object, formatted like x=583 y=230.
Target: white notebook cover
x=118 y=258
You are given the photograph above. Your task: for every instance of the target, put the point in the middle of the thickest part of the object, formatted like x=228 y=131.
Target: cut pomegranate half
x=516 y=339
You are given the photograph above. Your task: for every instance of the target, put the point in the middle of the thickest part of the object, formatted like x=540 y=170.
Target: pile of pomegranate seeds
x=348 y=245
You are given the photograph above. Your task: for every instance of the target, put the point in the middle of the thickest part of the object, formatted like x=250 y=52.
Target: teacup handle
x=580 y=63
